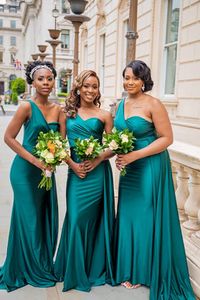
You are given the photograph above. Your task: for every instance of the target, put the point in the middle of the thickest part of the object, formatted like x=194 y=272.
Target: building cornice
x=10 y=29
x=30 y=9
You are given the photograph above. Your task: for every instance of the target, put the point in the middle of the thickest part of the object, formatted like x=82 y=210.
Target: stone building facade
x=10 y=44
x=37 y=18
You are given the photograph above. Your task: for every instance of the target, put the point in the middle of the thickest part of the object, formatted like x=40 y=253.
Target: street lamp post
x=54 y=34
x=132 y=34
x=42 y=49
x=77 y=7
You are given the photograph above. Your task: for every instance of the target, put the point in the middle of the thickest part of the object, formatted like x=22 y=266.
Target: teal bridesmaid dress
x=84 y=257
x=34 y=221
x=148 y=243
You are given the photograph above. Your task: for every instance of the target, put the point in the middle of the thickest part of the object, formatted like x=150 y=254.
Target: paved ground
x=55 y=293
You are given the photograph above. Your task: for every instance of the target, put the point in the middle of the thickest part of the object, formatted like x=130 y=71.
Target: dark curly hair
x=73 y=102
x=142 y=71
x=34 y=64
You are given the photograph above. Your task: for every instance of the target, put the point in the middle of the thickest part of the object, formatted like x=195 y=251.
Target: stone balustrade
x=186 y=174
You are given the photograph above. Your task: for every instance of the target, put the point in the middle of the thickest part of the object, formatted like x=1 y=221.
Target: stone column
x=192 y=204
x=181 y=191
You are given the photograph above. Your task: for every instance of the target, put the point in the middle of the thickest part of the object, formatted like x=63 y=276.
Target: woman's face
x=89 y=90
x=132 y=83
x=43 y=81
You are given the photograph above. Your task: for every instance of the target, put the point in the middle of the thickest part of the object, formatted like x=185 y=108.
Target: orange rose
x=51 y=147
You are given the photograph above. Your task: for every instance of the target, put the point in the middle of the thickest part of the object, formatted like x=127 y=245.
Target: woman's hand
x=78 y=169
x=39 y=164
x=92 y=164
x=123 y=160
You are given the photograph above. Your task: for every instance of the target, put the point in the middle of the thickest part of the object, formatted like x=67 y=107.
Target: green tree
x=18 y=85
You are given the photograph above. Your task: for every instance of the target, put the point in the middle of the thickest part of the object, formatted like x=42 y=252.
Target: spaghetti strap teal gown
x=148 y=243
x=34 y=221
x=84 y=257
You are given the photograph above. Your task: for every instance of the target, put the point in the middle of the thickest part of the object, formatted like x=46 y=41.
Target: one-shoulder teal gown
x=149 y=246
x=84 y=255
x=34 y=221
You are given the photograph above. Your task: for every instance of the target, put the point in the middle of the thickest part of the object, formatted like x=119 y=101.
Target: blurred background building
x=11 y=41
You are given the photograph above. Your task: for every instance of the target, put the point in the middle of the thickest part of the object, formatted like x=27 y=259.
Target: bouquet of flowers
x=87 y=149
x=51 y=149
x=120 y=142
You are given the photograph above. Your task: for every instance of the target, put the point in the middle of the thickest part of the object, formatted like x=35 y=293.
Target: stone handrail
x=186 y=174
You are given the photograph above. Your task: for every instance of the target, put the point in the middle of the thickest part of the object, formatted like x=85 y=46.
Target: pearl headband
x=37 y=68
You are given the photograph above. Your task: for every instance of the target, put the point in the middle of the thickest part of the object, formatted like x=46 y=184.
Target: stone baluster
x=192 y=204
x=181 y=191
x=174 y=174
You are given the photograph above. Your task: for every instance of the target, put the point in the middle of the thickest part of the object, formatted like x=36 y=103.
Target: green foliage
x=14 y=98
x=62 y=94
x=51 y=149
x=87 y=149
x=120 y=142
x=18 y=85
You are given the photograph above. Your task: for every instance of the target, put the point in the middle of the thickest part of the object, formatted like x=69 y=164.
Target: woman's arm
x=62 y=122
x=20 y=117
x=165 y=136
x=78 y=168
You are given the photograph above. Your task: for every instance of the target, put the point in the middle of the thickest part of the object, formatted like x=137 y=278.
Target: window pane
x=1 y=40
x=12 y=9
x=13 y=41
x=65 y=39
x=172 y=20
x=170 y=69
x=1 y=57
x=102 y=60
x=1 y=23
x=12 y=58
x=13 y=24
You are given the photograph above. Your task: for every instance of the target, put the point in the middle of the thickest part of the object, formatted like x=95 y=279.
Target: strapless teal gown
x=34 y=221
x=84 y=255
x=148 y=247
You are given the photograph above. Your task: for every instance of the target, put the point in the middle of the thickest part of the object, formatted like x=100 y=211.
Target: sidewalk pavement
x=55 y=293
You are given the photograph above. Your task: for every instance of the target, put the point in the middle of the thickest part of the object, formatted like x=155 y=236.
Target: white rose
x=113 y=145
x=48 y=156
x=124 y=138
x=62 y=154
x=89 y=150
x=91 y=145
x=44 y=153
x=58 y=143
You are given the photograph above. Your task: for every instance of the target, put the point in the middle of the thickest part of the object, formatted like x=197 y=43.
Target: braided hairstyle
x=34 y=64
x=142 y=71
x=73 y=101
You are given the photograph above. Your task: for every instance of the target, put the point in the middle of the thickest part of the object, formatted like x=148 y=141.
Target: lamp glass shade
x=77 y=6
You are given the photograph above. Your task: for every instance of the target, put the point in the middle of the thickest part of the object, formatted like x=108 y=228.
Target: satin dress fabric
x=148 y=242
x=34 y=221
x=84 y=257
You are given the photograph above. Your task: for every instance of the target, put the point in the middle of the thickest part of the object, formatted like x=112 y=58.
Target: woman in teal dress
x=84 y=254
x=34 y=221
x=149 y=248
